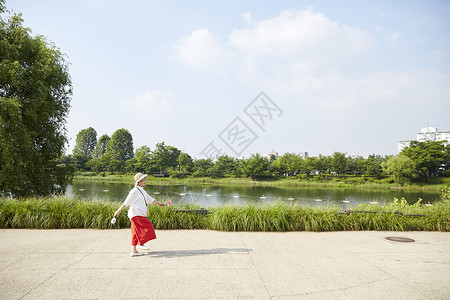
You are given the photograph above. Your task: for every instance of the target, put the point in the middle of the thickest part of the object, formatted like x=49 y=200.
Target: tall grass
x=65 y=212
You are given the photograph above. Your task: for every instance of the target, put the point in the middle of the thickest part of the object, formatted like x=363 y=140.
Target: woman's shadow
x=198 y=252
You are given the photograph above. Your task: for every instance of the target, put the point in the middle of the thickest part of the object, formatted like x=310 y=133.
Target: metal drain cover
x=400 y=239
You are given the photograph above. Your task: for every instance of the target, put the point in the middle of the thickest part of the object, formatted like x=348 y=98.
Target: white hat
x=138 y=177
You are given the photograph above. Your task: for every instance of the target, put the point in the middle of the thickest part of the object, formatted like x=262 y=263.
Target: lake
x=212 y=195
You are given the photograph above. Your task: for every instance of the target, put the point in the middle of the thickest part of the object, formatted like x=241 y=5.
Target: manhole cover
x=400 y=239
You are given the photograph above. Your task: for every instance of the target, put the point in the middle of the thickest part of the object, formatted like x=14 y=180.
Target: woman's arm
x=159 y=203
x=116 y=214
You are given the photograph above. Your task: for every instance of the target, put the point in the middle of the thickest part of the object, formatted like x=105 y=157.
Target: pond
x=213 y=195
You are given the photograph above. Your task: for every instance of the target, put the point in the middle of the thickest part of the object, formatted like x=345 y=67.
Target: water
x=210 y=195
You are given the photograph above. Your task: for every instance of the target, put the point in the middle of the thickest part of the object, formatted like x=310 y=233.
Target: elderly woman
x=142 y=229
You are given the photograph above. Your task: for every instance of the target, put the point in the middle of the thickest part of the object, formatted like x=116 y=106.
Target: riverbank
x=349 y=182
x=68 y=213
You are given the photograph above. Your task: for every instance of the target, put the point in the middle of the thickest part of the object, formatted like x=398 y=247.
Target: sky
x=241 y=77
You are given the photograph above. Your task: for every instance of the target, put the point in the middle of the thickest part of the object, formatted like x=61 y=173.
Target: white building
x=268 y=156
x=427 y=134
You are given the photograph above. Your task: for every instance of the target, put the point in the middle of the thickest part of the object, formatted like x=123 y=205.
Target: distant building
x=427 y=134
x=304 y=154
x=354 y=155
x=267 y=156
x=402 y=145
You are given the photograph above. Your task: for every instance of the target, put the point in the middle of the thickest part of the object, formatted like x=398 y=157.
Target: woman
x=142 y=229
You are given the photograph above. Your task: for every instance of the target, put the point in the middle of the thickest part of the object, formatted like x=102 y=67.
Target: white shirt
x=137 y=200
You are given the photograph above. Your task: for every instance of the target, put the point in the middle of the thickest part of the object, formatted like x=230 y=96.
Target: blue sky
x=347 y=76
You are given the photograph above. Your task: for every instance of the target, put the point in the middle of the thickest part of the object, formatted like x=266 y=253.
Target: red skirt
x=142 y=231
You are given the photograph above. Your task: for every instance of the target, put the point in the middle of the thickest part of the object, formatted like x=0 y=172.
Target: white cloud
x=321 y=66
x=154 y=102
x=199 y=49
x=301 y=39
x=301 y=36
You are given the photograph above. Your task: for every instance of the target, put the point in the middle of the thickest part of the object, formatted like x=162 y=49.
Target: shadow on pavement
x=199 y=252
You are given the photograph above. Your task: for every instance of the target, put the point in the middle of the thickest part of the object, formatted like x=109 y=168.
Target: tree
x=100 y=148
x=400 y=167
x=255 y=166
x=309 y=164
x=202 y=167
x=120 y=147
x=430 y=157
x=288 y=164
x=142 y=159
x=323 y=164
x=35 y=93
x=356 y=165
x=339 y=163
x=373 y=165
x=85 y=142
x=185 y=162
x=165 y=157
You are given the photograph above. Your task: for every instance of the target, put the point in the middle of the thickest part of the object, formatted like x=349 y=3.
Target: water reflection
x=210 y=195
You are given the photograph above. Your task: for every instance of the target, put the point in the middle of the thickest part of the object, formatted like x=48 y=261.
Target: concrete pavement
x=188 y=264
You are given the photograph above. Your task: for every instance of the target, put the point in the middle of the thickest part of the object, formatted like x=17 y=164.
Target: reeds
x=64 y=212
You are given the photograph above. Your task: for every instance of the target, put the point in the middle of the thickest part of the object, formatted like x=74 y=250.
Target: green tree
x=120 y=147
x=255 y=166
x=323 y=164
x=430 y=158
x=165 y=157
x=225 y=165
x=174 y=153
x=400 y=167
x=85 y=142
x=35 y=92
x=288 y=164
x=356 y=165
x=102 y=145
x=202 y=167
x=84 y=147
x=309 y=165
x=373 y=165
x=143 y=156
x=141 y=160
x=339 y=163
x=185 y=162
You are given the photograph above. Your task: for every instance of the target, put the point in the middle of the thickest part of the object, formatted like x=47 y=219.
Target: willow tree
x=35 y=93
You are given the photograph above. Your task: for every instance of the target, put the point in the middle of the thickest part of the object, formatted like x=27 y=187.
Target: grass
x=64 y=212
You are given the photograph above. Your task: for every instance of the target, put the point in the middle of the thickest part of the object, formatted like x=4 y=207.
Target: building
x=268 y=156
x=304 y=154
x=427 y=134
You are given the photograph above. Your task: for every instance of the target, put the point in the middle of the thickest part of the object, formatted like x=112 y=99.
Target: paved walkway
x=95 y=264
